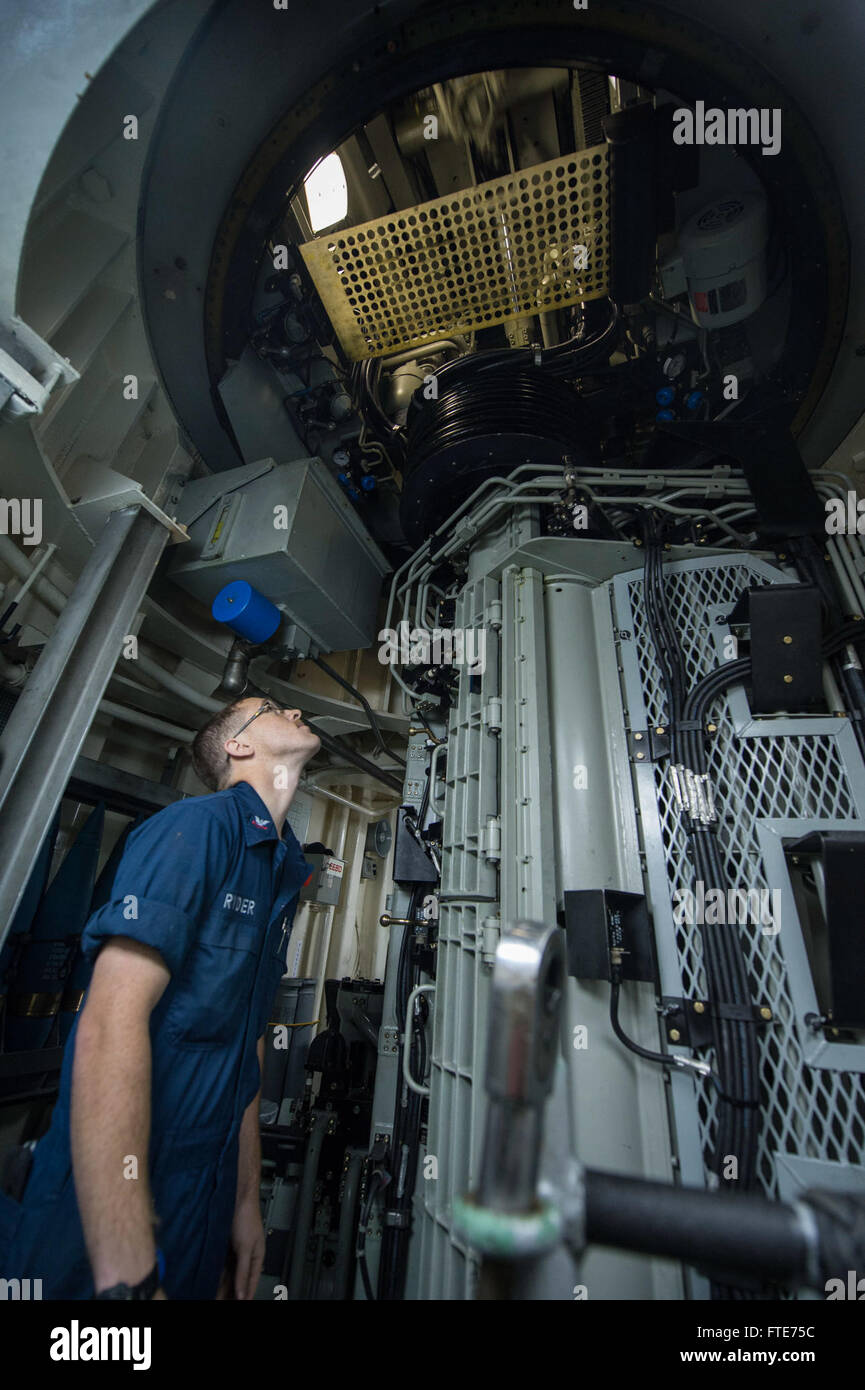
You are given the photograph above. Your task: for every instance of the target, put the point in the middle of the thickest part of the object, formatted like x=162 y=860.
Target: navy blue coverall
x=207 y=883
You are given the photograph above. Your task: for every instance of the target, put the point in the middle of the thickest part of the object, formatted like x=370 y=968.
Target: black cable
x=423 y=719
x=740 y=1070
x=723 y=957
x=374 y=725
x=663 y=1059
x=563 y=359
x=663 y=635
x=360 y=1249
x=386 y=1269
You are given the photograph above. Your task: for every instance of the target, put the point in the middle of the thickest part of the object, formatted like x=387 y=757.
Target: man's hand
x=240 y=1279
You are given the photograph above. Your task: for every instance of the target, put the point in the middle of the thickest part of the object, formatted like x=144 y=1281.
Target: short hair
x=209 y=757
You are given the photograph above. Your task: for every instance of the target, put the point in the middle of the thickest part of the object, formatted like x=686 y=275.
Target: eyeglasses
x=267 y=708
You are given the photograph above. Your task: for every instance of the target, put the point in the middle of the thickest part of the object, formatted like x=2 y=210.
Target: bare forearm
x=249 y=1145
x=110 y=1135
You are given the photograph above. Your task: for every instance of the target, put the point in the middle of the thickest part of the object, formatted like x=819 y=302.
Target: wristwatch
x=135 y=1292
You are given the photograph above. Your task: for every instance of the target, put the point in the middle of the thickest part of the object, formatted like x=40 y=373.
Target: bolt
x=712 y=728
x=766 y=1014
x=788 y=640
x=674 y=1035
x=788 y=680
x=640 y=757
x=660 y=730
x=637 y=737
x=699 y=1008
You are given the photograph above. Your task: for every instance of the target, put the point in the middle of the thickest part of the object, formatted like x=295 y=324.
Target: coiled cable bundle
x=481 y=424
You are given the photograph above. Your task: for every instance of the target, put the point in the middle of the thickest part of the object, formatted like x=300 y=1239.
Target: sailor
x=147 y=1182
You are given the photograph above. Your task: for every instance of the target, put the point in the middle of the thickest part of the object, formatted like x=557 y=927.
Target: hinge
x=491 y=839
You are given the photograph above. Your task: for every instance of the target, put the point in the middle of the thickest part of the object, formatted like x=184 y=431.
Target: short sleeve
x=170 y=872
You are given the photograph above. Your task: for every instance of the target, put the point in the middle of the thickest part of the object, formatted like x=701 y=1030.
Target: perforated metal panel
x=481 y=256
x=790 y=770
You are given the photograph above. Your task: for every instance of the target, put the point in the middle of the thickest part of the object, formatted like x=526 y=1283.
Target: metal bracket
x=689 y=1021
x=400 y=1219
x=29 y=393
x=388 y=1041
x=112 y=492
x=648 y=745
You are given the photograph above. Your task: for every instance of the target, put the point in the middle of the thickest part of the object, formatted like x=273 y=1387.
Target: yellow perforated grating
x=504 y=249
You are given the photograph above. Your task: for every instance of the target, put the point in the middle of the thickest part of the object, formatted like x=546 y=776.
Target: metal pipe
x=406 y=1051
x=13 y=674
x=347 y=1224
x=326 y=930
x=177 y=686
x=362 y=700
x=399 y=359
x=333 y=745
x=315 y=790
x=146 y=721
x=304 y=1205
x=731 y=1231
x=236 y=673
x=50 y=595
x=46 y=731
x=56 y=600
x=34 y=574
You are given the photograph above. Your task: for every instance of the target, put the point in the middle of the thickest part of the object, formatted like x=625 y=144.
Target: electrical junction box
x=288 y=530
x=326 y=879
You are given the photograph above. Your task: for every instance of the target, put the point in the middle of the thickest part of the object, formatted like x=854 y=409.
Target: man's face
x=276 y=733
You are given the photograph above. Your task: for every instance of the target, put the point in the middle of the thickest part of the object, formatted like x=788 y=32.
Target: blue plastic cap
x=665 y=415
x=367 y=482
x=246 y=611
x=665 y=395
x=693 y=399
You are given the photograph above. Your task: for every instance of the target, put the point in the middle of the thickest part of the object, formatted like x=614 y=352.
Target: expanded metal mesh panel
x=478 y=257
x=806 y=1110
